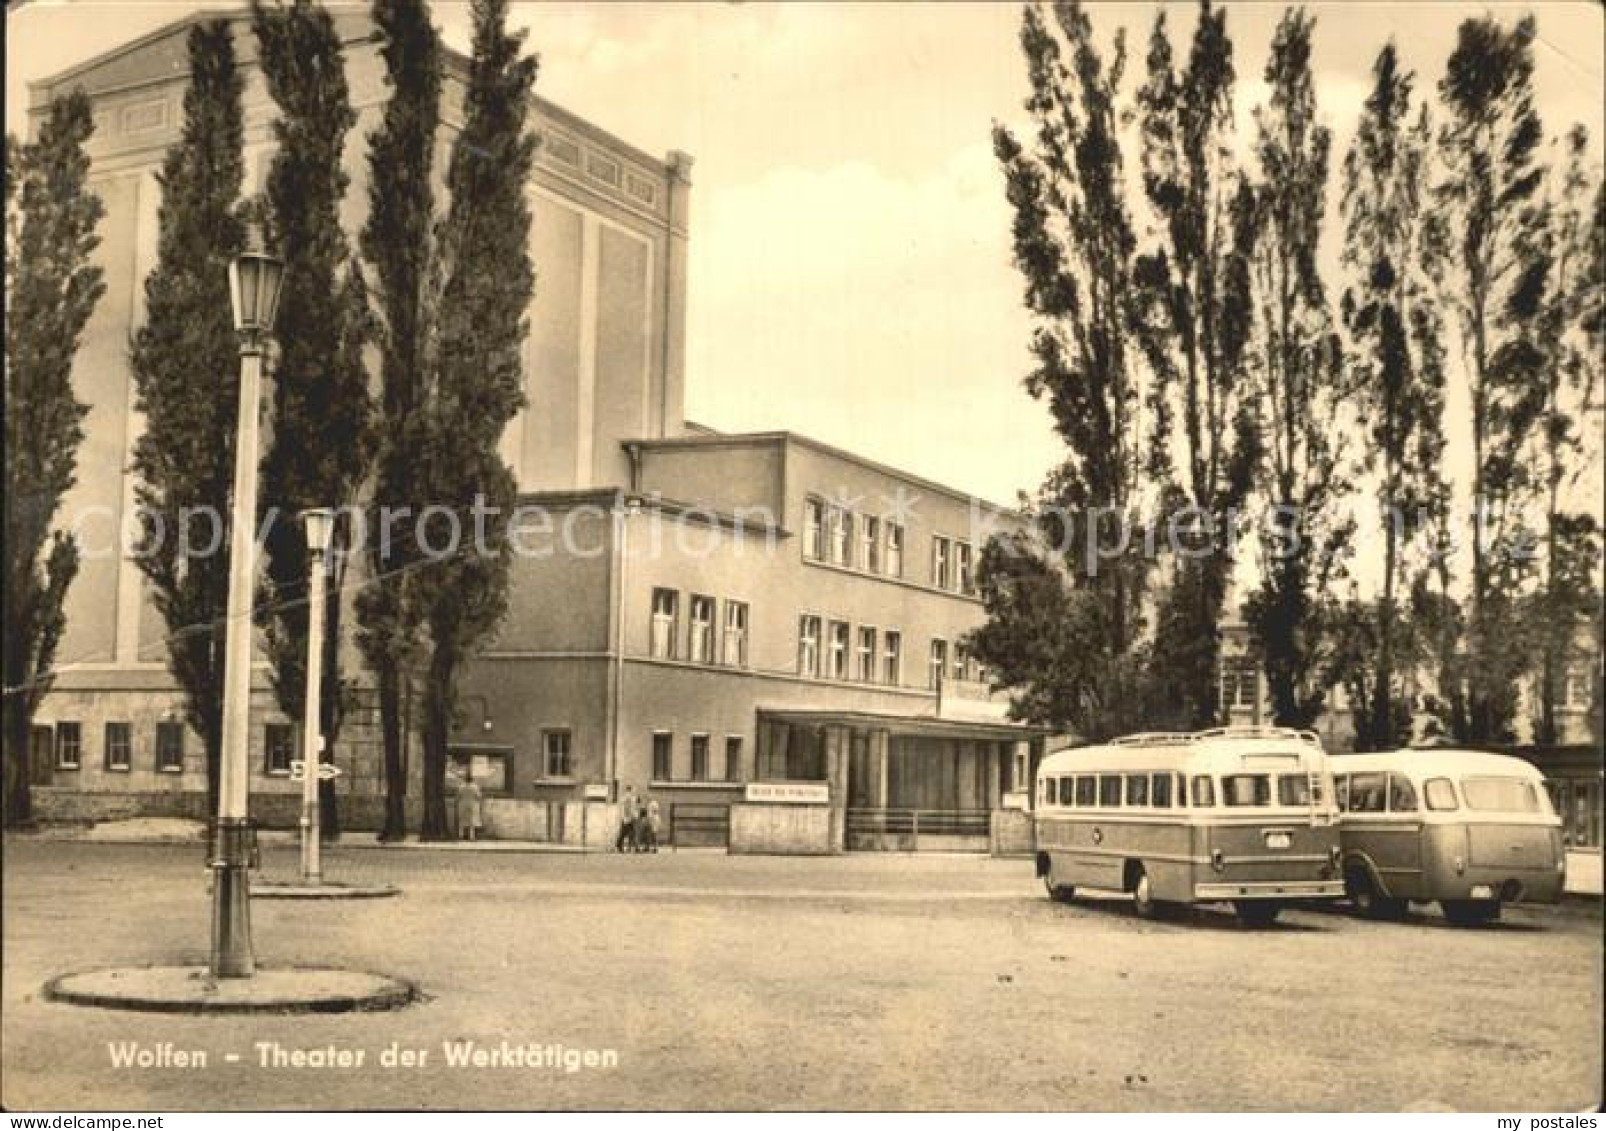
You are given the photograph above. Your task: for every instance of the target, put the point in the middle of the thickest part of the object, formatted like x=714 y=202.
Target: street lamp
x=320 y=524
x=254 y=280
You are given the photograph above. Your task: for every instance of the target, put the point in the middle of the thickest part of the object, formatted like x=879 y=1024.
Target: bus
x=1469 y=830
x=1235 y=814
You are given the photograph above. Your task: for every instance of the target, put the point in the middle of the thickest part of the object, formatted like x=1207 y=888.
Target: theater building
x=758 y=623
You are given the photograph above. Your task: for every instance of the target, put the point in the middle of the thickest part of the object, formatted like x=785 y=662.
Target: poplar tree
x=51 y=290
x=1491 y=196
x=1393 y=258
x=1304 y=391
x=1194 y=327
x=397 y=242
x=477 y=376
x=185 y=360
x=1075 y=247
x=321 y=440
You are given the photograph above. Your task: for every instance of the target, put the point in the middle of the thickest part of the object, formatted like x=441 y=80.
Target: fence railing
x=893 y=825
x=701 y=826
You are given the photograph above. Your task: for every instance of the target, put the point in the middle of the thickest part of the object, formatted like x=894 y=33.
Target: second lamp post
x=319 y=524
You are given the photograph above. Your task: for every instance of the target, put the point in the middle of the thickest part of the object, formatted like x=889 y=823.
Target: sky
x=850 y=263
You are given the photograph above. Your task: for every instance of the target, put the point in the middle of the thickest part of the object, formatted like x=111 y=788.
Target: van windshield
x=1501 y=795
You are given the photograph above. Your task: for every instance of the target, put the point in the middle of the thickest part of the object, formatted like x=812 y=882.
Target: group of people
x=638 y=823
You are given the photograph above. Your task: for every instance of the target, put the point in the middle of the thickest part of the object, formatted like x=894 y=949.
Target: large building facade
x=705 y=611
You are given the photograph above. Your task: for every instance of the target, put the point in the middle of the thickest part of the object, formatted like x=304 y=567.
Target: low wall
x=268 y=810
x=781 y=830
x=589 y=824
x=1012 y=833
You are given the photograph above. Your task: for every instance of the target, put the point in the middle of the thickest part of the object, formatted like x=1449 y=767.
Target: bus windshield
x=1503 y=795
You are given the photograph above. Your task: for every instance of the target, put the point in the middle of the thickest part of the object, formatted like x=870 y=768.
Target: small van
x=1470 y=830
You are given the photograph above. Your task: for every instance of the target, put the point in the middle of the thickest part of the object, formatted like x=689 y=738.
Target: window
x=1019 y=763
x=699 y=757
x=1293 y=789
x=1087 y=788
x=278 y=746
x=1181 y=790
x=893 y=561
x=1240 y=681
x=1204 y=792
x=1503 y=795
x=1045 y=790
x=892 y=658
x=838 y=660
x=702 y=629
x=1160 y=791
x=559 y=748
x=1240 y=790
x=663 y=755
x=961 y=662
x=170 y=747
x=839 y=531
x=814 y=530
x=665 y=623
x=733 y=757
x=808 y=645
x=941 y=548
x=1575 y=687
x=1109 y=791
x=1368 y=793
x=1402 y=796
x=1137 y=789
x=119 y=747
x=939 y=663
x=489 y=769
x=1440 y=794
x=869 y=544
x=1065 y=789
x=69 y=745
x=962 y=568
x=735 y=634
x=865 y=657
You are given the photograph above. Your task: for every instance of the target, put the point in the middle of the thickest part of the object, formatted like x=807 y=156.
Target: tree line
x=438 y=295
x=1199 y=360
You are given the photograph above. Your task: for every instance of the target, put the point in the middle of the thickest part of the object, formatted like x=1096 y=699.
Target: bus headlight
x=1460 y=866
x=1218 y=861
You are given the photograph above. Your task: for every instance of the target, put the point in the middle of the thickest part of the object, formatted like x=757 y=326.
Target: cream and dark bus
x=1238 y=814
x=1469 y=830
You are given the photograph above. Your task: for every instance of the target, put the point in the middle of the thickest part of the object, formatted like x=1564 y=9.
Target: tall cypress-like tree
x=184 y=359
x=1569 y=593
x=321 y=442
x=1304 y=389
x=1075 y=247
x=1194 y=326
x=398 y=243
x=487 y=281
x=1393 y=257
x=1491 y=196
x=51 y=290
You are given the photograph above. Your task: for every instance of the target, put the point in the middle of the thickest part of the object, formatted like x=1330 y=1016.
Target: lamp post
x=319 y=524
x=254 y=279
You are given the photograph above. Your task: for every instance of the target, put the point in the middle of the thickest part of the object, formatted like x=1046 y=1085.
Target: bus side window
x=1204 y=794
x=1086 y=791
x=1341 y=792
x=1182 y=790
x=1440 y=794
x=1137 y=789
x=1045 y=791
x=1160 y=791
x=1402 y=796
x=1065 y=790
x=1109 y=791
x=1367 y=793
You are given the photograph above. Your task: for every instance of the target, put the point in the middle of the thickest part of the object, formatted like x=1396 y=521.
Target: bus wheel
x=1143 y=894
x=1257 y=912
x=1470 y=912
x=1368 y=902
x=1059 y=893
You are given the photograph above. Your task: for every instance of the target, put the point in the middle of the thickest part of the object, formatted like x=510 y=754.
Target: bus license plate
x=1279 y=840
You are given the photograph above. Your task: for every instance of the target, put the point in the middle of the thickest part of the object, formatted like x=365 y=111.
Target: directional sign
x=326 y=771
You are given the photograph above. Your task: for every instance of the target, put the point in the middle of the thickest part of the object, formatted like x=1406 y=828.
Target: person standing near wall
x=627 y=839
x=468 y=807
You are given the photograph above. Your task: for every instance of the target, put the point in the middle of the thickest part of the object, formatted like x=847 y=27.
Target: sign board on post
x=789 y=792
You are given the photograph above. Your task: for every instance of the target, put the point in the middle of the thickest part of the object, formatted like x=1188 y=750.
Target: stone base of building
x=64 y=805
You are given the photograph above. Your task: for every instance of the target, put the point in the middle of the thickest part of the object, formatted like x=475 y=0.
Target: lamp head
x=319 y=523
x=254 y=281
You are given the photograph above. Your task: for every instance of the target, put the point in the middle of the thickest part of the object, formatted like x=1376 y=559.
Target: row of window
x=835 y=649
x=118 y=749
x=1170 y=790
x=1380 y=792
x=701 y=763
x=834 y=534
x=701 y=645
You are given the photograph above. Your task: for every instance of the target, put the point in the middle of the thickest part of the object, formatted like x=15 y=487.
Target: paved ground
x=855 y=982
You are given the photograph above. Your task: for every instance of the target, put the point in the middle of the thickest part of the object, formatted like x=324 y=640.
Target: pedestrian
x=651 y=827
x=468 y=807
x=626 y=840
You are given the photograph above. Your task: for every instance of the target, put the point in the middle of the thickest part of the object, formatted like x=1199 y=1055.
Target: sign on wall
x=789 y=792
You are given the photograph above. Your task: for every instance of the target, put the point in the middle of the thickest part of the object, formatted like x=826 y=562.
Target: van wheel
x=1059 y=893
x=1470 y=912
x=1368 y=902
x=1143 y=894
x=1257 y=912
